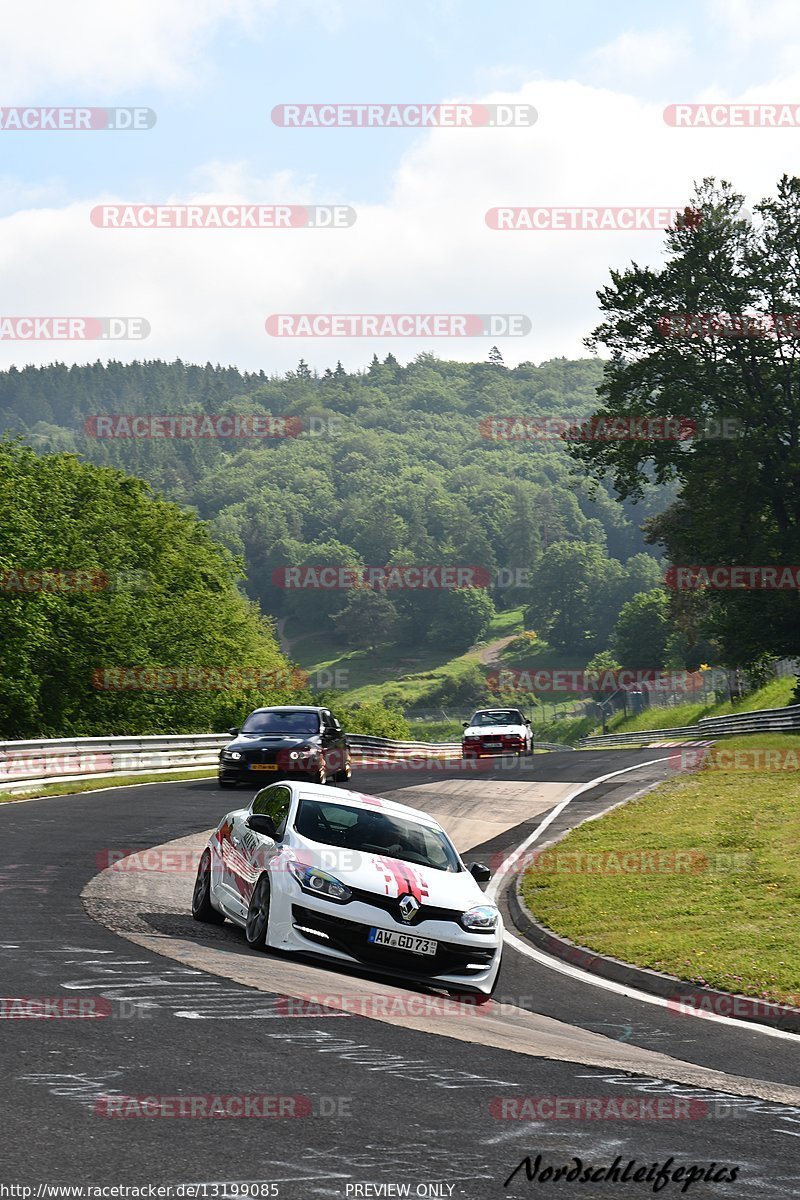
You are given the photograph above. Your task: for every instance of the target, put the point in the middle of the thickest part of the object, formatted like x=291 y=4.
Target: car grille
x=506 y=742
x=391 y=905
x=260 y=756
x=351 y=938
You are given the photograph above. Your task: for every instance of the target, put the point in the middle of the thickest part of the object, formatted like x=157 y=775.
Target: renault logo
x=409 y=907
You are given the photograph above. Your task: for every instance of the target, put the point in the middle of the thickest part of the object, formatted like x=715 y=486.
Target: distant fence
x=762 y=720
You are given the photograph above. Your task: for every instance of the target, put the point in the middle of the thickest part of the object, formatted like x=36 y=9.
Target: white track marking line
x=555 y=964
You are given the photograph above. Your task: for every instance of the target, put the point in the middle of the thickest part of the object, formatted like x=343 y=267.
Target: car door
x=253 y=851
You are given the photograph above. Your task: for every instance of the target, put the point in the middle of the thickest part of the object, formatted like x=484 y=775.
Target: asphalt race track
x=432 y=1106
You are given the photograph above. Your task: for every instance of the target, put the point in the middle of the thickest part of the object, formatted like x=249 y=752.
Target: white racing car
x=353 y=878
x=497 y=731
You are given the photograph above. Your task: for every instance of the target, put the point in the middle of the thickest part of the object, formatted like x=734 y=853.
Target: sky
x=598 y=75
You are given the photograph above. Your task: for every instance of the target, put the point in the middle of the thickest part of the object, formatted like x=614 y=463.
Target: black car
x=287 y=742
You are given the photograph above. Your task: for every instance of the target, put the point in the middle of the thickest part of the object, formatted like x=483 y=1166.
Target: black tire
x=202 y=908
x=257 y=925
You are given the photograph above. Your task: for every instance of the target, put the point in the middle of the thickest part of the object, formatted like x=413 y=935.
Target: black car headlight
x=320 y=883
x=481 y=919
x=233 y=755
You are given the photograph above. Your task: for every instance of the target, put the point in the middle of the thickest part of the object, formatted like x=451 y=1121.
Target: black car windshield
x=282 y=720
x=375 y=832
x=498 y=716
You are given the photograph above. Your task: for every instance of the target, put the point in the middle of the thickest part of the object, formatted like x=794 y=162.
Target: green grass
x=774 y=694
x=436 y=731
x=729 y=922
x=96 y=785
x=404 y=674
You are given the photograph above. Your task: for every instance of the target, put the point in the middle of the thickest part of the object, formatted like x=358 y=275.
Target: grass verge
x=96 y=785
x=726 y=914
x=774 y=694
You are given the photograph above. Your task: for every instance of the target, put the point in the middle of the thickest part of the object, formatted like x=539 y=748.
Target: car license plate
x=493 y=745
x=402 y=941
x=263 y=766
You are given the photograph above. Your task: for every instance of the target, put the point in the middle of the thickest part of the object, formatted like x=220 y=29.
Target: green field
x=726 y=914
x=404 y=677
x=774 y=694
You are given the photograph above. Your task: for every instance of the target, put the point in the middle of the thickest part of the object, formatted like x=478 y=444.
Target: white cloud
x=750 y=26
x=96 y=45
x=425 y=249
x=639 y=55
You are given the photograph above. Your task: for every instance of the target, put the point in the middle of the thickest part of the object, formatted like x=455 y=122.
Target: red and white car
x=496 y=731
x=352 y=878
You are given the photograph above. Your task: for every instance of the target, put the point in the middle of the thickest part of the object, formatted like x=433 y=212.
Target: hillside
x=391 y=465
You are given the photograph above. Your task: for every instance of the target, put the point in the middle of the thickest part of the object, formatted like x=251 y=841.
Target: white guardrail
x=63 y=760
x=761 y=720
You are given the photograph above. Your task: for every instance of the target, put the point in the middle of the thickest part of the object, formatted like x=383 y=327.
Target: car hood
x=494 y=730
x=272 y=741
x=392 y=877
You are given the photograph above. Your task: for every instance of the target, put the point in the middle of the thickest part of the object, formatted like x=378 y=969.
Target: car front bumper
x=463 y=960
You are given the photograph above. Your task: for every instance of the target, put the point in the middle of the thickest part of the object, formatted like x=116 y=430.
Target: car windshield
x=375 y=832
x=498 y=716
x=282 y=720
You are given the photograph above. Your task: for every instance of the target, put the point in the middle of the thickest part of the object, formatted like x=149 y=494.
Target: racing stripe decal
x=403 y=876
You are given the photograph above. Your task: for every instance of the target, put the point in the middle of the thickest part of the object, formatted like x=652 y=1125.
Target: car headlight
x=233 y=754
x=482 y=918
x=320 y=883
x=301 y=752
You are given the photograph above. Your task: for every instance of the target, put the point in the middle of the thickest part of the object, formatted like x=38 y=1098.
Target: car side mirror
x=480 y=873
x=527 y=720
x=234 y=729
x=261 y=823
x=465 y=724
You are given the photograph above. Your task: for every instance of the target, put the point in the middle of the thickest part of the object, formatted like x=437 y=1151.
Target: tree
x=367 y=618
x=640 y=635
x=570 y=591
x=495 y=357
x=463 y=616
x=148 y=633
x=736 y=372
